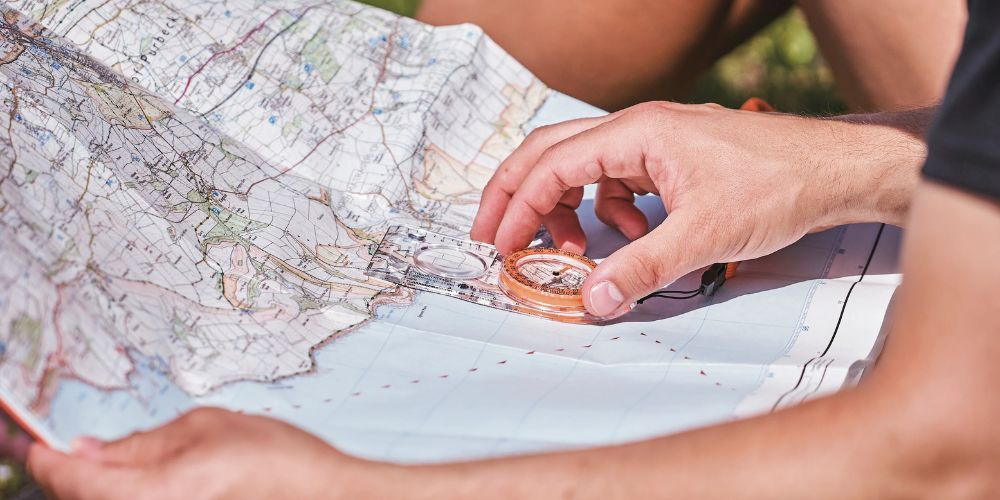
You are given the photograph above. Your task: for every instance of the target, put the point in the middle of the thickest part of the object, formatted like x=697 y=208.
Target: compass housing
x=547 y=279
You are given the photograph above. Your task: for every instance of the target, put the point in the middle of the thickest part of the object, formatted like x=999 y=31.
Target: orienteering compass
x=537 y=281
x=547 y=279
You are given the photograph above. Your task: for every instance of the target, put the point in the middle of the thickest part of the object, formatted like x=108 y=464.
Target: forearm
x=874 y=162
x=889 y=54
x=809 y=451
x=923 y=426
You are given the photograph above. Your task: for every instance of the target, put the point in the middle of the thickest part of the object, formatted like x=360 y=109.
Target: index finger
x=613 y=149
x=512 y=171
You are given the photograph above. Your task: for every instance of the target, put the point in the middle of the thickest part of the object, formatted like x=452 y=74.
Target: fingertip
x=634 y=225
x=484 y=226
x=578 y=248
x=513 y=236
x=478 y=234
x=603 y=299
x=504 y=248
x=567 y=234
x=615 y=206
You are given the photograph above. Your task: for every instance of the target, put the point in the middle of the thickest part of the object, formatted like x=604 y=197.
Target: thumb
x=676 y=247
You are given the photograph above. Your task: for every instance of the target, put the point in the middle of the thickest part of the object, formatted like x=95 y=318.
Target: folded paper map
x=190 y=193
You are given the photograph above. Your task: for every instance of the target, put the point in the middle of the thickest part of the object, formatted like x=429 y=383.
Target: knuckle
x=653 y=107
x=549 y=162
x=549 y=156
x=539 y=135
x=644 y=272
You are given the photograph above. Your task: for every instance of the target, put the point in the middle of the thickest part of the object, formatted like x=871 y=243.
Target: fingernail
x=87 y=447
x=605 y=298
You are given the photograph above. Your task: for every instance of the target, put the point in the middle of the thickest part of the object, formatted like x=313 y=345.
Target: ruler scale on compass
x=543 y=282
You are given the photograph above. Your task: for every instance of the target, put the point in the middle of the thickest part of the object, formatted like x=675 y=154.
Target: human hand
x=737 y=185
x=207 y=453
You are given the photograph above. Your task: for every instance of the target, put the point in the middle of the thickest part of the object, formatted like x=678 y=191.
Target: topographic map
x=190 y=192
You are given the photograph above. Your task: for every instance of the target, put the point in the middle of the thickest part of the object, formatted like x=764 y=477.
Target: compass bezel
x=523 y=289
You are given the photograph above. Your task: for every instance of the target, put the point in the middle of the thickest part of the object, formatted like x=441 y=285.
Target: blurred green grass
x=404 y=7
x=781 y=64
x=13 y=481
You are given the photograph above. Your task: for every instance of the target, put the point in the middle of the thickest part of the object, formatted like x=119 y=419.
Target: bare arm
x=924 y=426
x=896 y=435
x=612 y=53
x=885 y=55
x=888 y=54
x=737 y=185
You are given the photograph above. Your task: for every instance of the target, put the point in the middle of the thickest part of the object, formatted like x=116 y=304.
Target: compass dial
x=546 y=278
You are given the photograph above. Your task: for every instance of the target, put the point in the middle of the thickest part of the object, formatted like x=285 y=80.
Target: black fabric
x=964 y=140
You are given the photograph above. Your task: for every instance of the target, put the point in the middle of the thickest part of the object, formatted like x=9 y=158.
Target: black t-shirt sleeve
x=964 y=140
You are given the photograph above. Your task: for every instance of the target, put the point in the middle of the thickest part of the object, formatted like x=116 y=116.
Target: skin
x=872 y=49
x=869 y=45
x=679 y=40
x=720 y=209
x=922 y=426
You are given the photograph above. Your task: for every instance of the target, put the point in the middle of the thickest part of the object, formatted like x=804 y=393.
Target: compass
x=547 y=279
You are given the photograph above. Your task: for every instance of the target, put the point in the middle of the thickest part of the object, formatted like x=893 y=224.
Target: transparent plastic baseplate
x=468 y=270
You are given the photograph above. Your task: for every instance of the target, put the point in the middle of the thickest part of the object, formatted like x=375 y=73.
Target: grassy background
x=781 y=65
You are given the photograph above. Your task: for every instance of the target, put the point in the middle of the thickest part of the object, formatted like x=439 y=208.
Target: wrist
x=873 y=165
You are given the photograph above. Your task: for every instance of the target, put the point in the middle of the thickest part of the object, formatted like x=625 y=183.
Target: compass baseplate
x=468 y=270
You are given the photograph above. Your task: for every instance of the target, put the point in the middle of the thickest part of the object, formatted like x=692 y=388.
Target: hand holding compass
x=736 y=186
